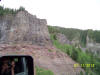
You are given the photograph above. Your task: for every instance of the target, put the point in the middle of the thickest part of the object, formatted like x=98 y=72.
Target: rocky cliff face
x=92 y=46
x=62 y=38
x=23 y=28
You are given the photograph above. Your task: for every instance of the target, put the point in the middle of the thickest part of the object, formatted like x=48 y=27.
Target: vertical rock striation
x=23 y=28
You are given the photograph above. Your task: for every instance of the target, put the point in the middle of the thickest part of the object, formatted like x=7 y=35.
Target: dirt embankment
x=44 y=56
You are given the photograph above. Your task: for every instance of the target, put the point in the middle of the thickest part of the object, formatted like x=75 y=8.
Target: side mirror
x=16 y=65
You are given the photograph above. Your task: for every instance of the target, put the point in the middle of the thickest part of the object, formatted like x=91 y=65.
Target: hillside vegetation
x=76 y=53
x=4 y=11
x=80 y=35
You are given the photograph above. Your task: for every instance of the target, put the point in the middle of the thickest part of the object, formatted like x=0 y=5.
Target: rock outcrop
x=92 y=46
x=23 y=28
x=62 y=39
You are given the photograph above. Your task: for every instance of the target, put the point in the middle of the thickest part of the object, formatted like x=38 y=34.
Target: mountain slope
x=23 y=33
x=84 y=49
x=85 y=39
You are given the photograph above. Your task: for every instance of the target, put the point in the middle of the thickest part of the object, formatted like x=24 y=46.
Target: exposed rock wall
x=62 y=39
x=93 y=46
x=23 y=28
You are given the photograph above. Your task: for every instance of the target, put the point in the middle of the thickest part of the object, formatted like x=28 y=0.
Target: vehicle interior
x=22 y=65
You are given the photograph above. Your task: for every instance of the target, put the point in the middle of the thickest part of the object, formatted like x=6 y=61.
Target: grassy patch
x=50 y=50
x=41 y=71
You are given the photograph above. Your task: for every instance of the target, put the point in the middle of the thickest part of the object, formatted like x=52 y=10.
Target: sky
x=81 y=14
